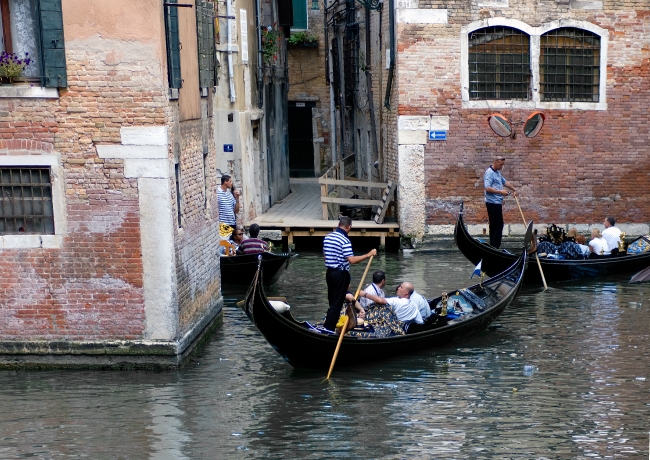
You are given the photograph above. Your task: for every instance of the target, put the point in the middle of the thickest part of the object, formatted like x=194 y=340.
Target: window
x=559 y=65
x=26 y=201
x=299 y=14
x=34 y=28
x=499 y=64
x=569 y=65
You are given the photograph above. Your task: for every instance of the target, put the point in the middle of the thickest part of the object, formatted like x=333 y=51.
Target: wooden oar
x=541 y=272
x=643 y=275
x=344 y=329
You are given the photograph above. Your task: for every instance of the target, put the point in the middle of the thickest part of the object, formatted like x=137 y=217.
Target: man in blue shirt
x=494 y=184
x=337 y=250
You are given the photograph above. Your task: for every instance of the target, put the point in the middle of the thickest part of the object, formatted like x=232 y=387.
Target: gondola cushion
x=279 y=306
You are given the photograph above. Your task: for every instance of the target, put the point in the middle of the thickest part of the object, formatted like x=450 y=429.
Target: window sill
x=502 y=104
x=31 y=241
x=24 y=91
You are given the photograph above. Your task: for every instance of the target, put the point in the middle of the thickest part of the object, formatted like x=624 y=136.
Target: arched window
x=569 y=65
x=499 y=63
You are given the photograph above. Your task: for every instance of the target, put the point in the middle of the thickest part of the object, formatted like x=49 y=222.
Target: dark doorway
x=301 y=140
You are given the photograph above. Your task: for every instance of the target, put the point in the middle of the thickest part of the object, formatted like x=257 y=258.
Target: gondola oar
x=344 y=329
x=541 y=272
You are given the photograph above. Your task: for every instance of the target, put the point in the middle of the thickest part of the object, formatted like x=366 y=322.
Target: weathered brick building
x=108 y=176
x=583 y=64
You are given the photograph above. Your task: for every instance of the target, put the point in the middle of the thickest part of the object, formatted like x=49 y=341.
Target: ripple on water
x=561 y=374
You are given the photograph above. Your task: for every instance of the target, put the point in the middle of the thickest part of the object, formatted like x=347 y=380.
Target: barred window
x=569 y=65
x=499 y=64
x=26 y=201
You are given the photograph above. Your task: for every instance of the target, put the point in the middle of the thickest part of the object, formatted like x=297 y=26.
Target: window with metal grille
x=26 y=201
x=569 y=65
x=499 y=64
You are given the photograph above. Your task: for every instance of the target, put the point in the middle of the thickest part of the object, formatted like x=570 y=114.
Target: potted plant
x=271 y=41
x=303 y=39
x=11 y=66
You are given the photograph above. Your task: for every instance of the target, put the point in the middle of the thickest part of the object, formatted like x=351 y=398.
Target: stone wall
x=585 y=164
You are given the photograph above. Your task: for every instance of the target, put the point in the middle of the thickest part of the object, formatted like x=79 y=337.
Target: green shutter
x=52 y=44
x=205 y=37
x=173 y=46
x=299 y=14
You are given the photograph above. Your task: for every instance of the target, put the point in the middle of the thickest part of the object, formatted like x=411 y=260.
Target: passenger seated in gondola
x=252 y=244
x=377 y=287
x=611 y=234
x=230 y=247
x=557 y=244
x=406 y=310
x=581 y=240
x=598 y=244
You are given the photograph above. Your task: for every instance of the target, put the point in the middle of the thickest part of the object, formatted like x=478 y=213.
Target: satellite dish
x=500 y=125
x=534 y=124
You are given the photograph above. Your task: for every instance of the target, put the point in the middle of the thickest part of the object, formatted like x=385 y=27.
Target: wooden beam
x=353 y=183
x=352 y=201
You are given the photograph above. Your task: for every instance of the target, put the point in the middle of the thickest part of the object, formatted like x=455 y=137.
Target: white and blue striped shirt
x=227 y=204
x=337 y=248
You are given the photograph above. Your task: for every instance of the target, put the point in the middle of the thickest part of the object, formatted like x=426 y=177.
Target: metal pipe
x=391 y=70
x=231 y=72
x=260 y=78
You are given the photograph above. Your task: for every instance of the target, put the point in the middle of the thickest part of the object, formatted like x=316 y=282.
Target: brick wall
x=584 y=165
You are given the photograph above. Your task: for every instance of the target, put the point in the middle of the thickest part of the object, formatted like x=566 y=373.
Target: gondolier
x=228 y=202
x=337 y=250
x=494 y=184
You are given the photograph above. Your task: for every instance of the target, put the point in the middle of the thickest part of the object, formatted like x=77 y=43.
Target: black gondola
x=302 y=346
x=495 y=261
x=240 y=270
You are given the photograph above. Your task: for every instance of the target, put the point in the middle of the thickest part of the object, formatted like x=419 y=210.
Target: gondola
x=240 y=270
x=495 y=261
x=303 y=346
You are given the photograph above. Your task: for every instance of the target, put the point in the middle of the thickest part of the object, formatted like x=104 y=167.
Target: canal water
x=561 y=374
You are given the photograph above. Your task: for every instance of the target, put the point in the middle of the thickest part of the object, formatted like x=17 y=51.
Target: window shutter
x=299 y=14
x=173 y=46
x=205 y=36
x=52 y=45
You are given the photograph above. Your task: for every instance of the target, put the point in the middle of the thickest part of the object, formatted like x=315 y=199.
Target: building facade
x=108 y=173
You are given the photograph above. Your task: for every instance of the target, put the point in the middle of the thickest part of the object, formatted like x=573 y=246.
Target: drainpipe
x=389 y=83
x=260 y=79
x=231 y=73
x=332 y=109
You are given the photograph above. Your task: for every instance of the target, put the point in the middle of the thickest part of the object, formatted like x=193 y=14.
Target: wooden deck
x=300 y=214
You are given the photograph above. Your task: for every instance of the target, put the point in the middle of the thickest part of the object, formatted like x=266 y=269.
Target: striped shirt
x=253 y=246
x=337 y=248
x=226 y=207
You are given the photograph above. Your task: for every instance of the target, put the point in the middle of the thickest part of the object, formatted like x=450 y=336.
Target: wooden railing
x=335 y=179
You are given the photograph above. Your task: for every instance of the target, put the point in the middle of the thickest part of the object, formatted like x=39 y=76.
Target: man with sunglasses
x=495 y=185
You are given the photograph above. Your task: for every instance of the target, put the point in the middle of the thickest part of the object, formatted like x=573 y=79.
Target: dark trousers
x=338 y=282
x=495 y=216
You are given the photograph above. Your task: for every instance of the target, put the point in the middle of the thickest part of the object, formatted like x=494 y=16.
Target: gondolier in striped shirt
x=228 y=202
x=337 y=250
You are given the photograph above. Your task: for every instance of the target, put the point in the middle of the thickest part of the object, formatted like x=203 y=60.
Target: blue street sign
x=227 y=148
x=437 y=135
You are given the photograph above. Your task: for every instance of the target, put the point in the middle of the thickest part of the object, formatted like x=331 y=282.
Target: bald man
x=405 y=309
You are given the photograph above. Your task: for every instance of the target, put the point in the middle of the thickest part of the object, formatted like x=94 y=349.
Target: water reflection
x=559 y=375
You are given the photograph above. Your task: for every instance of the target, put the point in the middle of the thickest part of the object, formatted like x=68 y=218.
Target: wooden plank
x=353 y=183
x=352 y=201
x=381 y=211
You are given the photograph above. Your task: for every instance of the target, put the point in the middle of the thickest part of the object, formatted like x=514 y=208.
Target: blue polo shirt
x=495 y=180
x=337 y=248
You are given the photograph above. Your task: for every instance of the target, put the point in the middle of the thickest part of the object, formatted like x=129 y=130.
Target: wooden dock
x=300 y=214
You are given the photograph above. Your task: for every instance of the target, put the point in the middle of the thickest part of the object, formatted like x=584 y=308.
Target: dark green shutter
x=173 y=46
x=299 y=14
x=205 y=37
x=52 y=44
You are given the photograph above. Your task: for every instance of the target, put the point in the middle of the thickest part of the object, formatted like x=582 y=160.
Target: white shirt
x=422 y=304
x=405 y=310
x=599 y=244
x=584 y=249
x=613 y=236
x=372 y=289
